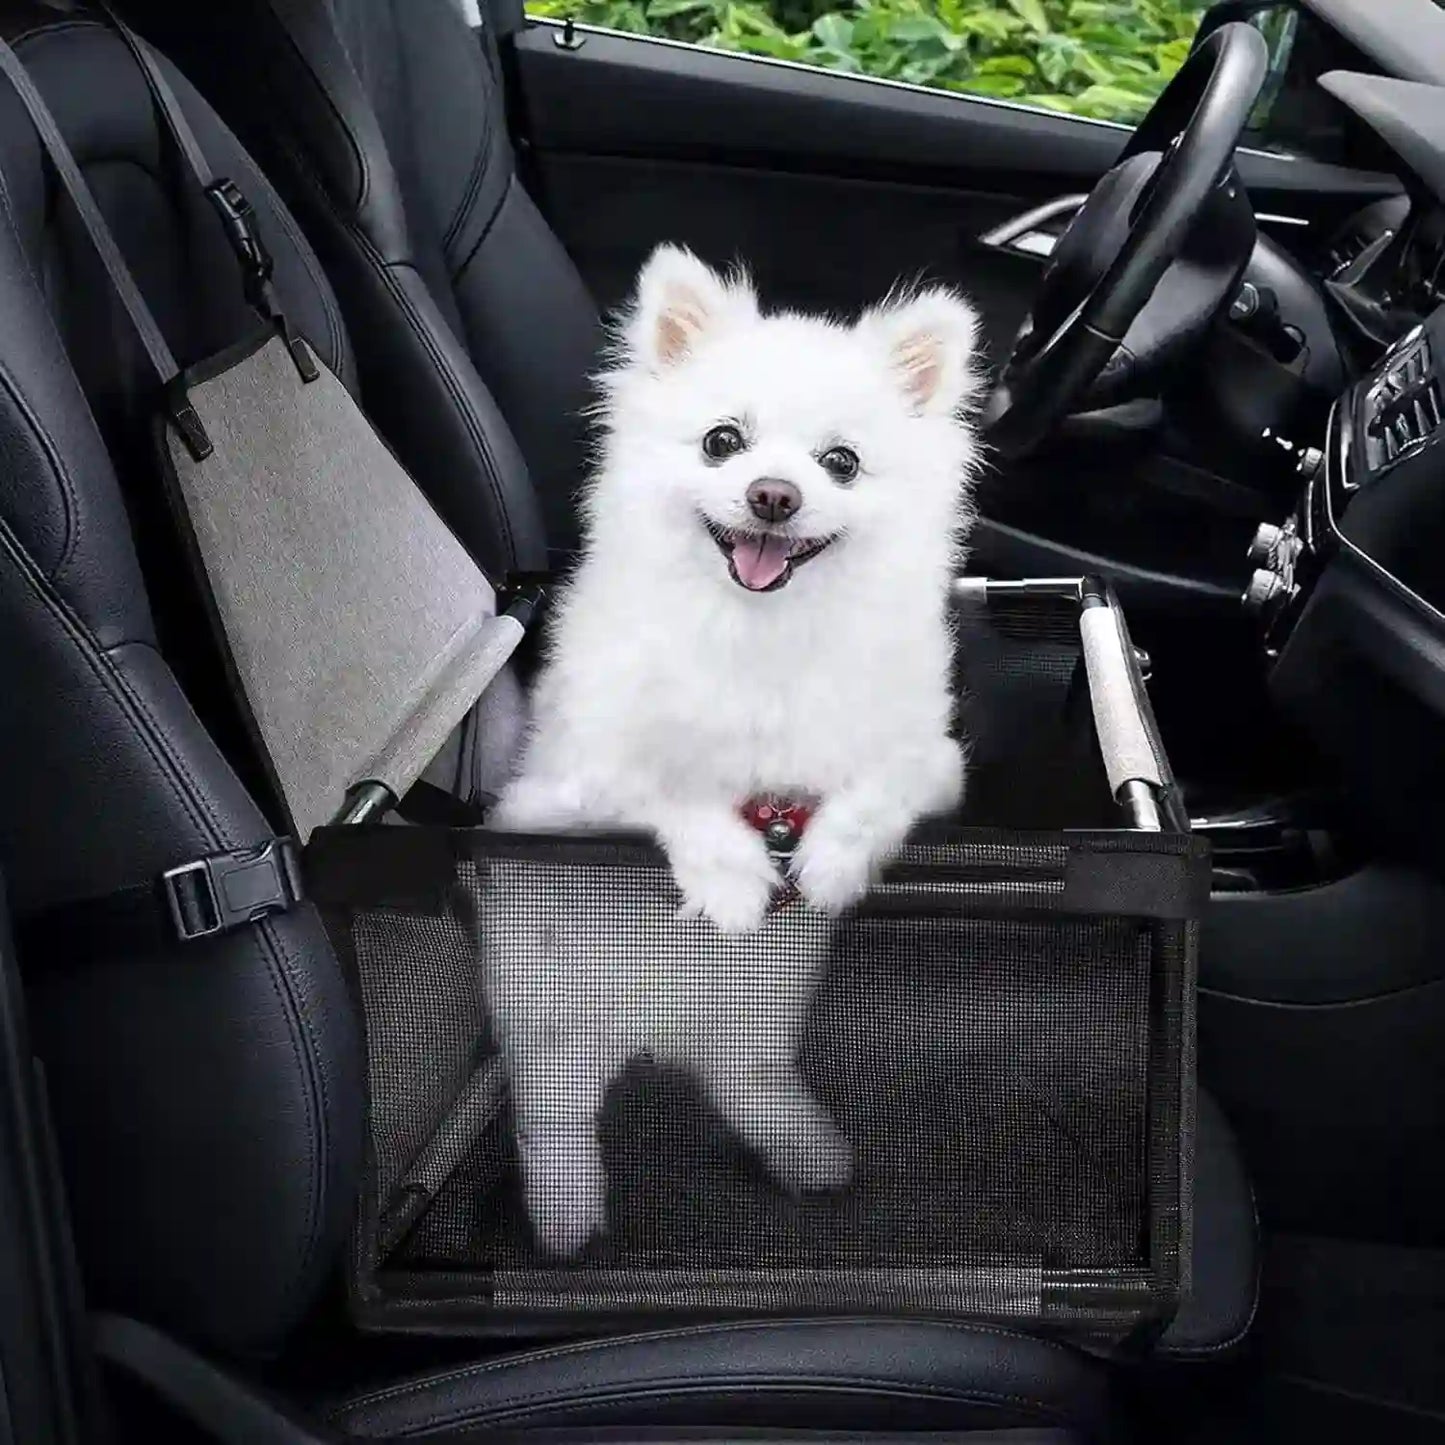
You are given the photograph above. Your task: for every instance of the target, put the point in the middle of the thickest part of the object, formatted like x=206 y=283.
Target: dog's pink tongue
x=760 y=561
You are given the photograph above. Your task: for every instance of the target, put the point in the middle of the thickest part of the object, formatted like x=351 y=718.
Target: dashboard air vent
x=1345 y=252
x=1404 y=407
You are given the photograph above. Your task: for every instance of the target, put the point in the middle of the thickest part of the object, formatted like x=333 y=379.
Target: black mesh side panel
x=424 y=1024
x=1023 y=707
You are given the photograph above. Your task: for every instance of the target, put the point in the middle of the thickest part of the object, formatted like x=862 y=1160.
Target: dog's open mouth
x=764 y=561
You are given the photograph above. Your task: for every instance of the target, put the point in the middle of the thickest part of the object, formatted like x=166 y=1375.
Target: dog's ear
x=929 y=338
x=679 y=300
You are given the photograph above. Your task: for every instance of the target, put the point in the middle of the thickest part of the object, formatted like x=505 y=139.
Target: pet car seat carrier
x=996 y=1045
x=1001 y=1033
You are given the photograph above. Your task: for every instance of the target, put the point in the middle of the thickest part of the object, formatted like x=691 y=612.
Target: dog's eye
x=722 y=442
x=840 y=463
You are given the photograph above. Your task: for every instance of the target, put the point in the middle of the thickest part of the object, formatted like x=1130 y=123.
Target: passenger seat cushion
x=1218 y=1309
x=828 y=1375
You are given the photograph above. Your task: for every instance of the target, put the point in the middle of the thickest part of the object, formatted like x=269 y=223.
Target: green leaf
x=834 y=31
x=779 y=46
x=989 y=24
x=1110 y=102
x=666 y=9
x=1007 y=65
x=1006 y=87
x=918 y=27
x=1031 y=12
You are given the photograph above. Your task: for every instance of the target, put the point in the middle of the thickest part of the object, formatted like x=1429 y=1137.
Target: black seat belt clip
x=238 y=219
x=524 y=595
x=187 y=422
x=223 y=891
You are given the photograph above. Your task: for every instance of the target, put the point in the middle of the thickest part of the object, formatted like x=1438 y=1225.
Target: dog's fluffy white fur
x=702 y=656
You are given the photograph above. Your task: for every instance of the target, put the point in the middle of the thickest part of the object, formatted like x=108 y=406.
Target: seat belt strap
x=207 y=896
x=158 y=352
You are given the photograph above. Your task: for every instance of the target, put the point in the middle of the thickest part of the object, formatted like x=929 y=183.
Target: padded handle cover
x=1123 y=734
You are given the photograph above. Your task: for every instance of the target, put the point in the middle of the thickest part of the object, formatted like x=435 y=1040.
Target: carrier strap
x=215 y=894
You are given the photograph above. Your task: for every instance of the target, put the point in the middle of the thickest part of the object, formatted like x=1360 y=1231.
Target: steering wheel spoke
x=1168 y=225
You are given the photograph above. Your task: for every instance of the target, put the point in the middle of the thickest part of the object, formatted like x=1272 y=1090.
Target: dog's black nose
x=772 y=500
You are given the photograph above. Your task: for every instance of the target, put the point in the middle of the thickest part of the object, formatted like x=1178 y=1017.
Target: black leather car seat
x=207 y=1096
x=384 y=127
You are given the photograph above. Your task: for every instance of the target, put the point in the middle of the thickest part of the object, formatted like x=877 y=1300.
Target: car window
x=1106 y=59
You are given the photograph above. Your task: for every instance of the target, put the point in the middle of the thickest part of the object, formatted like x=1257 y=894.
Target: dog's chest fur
x=747 y=694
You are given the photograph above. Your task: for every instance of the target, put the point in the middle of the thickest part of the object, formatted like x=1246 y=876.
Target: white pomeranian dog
x=761 y=611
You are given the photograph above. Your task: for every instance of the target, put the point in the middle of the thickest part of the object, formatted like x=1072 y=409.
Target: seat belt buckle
x=524 y=595
x=238 y=218
x=224 y=891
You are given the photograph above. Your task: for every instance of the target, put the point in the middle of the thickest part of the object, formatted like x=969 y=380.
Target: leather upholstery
x=455 y=288
x=1218 y=1307
x=832 y=1375
x=198 y=1091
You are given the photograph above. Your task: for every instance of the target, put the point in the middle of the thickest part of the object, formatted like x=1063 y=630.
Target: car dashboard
x=1350 y=589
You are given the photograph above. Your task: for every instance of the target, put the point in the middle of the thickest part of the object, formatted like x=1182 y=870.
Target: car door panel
x=831 y=186
x=814 y=242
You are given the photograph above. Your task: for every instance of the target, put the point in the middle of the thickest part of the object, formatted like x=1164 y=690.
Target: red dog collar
x=780 y=822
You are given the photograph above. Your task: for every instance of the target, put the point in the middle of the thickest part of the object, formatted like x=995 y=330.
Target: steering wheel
x=1151 y=257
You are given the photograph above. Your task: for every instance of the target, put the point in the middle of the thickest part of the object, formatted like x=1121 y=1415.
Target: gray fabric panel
x=480 y=756
x=501 y=721
x=361 y=629
x=433 y=715
x=1123 y=738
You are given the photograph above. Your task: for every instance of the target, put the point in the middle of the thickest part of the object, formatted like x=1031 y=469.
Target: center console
x=1349 y=590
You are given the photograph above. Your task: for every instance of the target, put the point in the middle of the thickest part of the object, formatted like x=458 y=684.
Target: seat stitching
x=450 y=381
x=470 y=191
x=465 y=264
x=689 y=1332
x=1190 y=1352
x=698 y=1385
x=1204 y=1351
x=441 y=367
x=474 y=181
x=100 y=662
x=362 y=165
x=69 y=502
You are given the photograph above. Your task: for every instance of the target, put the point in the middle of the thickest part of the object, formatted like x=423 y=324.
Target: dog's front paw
x=567 y=1210
x=724 y=874
x=833 y=867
